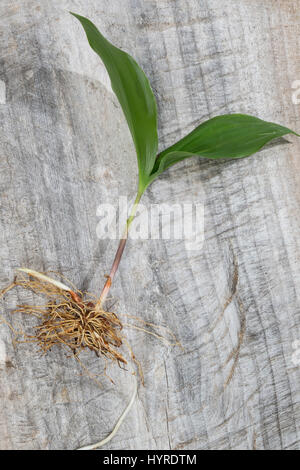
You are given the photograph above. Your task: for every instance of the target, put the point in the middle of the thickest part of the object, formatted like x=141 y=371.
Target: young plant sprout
x=78 y=320
x=223 y=137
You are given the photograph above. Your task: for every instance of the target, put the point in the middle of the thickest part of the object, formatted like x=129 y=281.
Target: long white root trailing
x=119 y=422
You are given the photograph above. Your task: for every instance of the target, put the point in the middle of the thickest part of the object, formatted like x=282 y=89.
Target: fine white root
x=119 y=422
x=44 y=278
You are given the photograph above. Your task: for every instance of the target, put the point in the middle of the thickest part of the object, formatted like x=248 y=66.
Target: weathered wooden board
x=65 y=149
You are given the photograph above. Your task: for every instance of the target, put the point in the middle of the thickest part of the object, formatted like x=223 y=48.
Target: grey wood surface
x=234 y=304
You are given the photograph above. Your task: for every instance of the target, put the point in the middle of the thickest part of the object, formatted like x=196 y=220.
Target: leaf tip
x=75 y=14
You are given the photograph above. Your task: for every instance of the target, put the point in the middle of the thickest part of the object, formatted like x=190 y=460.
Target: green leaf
x=228 y=136
x=134 y=93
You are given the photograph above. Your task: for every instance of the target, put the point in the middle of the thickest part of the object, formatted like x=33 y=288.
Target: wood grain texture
x=234 y=304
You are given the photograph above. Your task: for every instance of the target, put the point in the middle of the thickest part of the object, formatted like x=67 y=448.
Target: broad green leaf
x=134 y=93
x=223 y=137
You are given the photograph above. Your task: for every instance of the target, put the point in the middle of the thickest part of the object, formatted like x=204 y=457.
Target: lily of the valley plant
x=72 y=318
x=223 y=137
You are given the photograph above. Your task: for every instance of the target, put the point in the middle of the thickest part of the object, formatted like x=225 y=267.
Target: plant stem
x=119 y=253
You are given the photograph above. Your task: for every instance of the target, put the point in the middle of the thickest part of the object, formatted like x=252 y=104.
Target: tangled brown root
x=75 y=320
x=70 y=318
